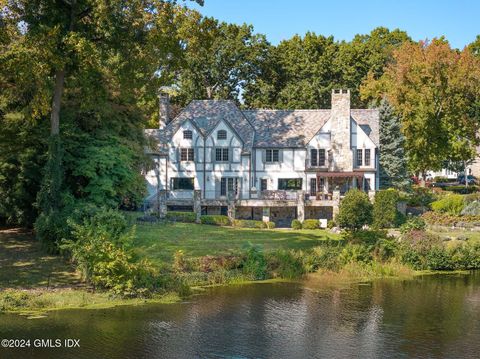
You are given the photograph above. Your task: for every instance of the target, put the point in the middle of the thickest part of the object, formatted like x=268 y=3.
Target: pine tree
x=393 y=164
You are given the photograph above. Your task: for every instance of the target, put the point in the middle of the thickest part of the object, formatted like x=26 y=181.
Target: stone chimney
x=340 y=131
x=163 y=110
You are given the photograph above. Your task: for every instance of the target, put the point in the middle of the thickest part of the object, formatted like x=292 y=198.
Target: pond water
x=428 y=317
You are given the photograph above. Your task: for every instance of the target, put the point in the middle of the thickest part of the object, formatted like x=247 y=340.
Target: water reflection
x=431 y=317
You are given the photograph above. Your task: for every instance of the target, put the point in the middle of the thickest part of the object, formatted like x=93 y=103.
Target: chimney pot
x=163 y=110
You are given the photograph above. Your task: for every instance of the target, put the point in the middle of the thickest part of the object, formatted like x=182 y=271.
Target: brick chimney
x=340 y=131
x=163 y=109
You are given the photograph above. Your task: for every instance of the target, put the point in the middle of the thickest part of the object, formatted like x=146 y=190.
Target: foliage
x=216 y=220
x=462 y=189
x=247 y=223
x=420 y=196
x=413 y=223
x=270 y=225
x=300 y=72
x=286 y=264
x=355 y=210
x=311 y=224
x=385 y=208
x=102 y=250
x=434 y=89
x=331 y=224
x=448 y=219
x=254 y=263
x=451 y=204
x=392 y=160
x=187 y=217
x=471 y=209
x=296 y=224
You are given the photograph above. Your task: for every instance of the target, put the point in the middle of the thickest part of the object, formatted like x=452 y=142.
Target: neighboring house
x=274 y=165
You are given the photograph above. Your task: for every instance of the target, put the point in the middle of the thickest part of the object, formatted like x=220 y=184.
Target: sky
x=457 y=20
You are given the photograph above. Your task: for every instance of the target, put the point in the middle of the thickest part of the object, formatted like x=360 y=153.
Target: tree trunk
x=56 y=103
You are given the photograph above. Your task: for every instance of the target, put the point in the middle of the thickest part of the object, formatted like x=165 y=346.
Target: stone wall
x=340 y=132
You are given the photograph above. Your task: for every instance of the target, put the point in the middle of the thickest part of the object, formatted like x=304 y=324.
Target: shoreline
x=67 y=298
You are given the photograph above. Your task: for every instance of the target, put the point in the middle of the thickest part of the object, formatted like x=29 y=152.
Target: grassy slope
x=159 y=242
x=24 y=264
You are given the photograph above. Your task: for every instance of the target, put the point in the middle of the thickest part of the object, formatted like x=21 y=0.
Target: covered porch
x=327 y=182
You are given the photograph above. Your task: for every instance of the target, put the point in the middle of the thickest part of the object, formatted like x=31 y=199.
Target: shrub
x=246 y=223
x=461 y=189
x=216 y=220
x=420 y=196
x=447 y=219
x=254 y=263
x=385 y=208
x=355 y=210
x=285 y=264
x=187 y=217
x=471 y=209
x=355 y=253
x=270 y=225
x=296 y=224
x=311 y=224
x=451 y=204
x=330 y=223
x=412 y=223
x=102 y=251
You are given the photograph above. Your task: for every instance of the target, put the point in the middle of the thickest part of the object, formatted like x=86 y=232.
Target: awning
x=339 y=174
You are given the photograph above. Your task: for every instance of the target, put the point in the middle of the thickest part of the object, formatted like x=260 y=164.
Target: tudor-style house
x=272 y=165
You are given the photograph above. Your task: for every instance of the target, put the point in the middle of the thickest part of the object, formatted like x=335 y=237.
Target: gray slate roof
x=262 y=128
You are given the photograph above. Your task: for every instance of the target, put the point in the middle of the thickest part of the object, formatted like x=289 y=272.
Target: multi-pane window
x=182 y=183
x=359 y=157
x=187 y=135
x=313 y=186
x=317 y=157
x=289 y=183
x=221 y=135
x=272 y=155
x=221 y=154
x=367 y=157
x=187 y=154
x=228 y=185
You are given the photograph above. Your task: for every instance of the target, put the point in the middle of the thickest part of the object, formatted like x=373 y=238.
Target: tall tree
x=435 y=90
x=393 y=164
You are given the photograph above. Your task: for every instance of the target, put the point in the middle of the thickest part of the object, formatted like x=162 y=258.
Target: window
x=289 y=184
x=263 y=184
x=187 y=135
x=182 y=183
x=366 y=184
x=321 y=157
x=228 y=185
x=221 y=154
x=221 y=135
x=317 y=157
x=359 y=157
x=272 y=156
x=367 y=157
x=187 y=154
x=313 y=186
x=314 y=157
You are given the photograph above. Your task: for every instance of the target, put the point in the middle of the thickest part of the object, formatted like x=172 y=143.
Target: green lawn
x=24 y=264
x=159 y=242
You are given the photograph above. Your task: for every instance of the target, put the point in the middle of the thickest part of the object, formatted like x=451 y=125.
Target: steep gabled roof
x=286 y=128
x=261 y=128
x=369 y=121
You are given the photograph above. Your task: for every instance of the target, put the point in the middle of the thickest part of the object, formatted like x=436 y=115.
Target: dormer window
x=187 y=135
x=221 y=135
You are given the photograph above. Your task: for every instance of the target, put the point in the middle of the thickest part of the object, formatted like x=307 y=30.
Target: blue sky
x=457 y=20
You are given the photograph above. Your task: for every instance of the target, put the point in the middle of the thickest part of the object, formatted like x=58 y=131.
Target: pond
x=434 y=316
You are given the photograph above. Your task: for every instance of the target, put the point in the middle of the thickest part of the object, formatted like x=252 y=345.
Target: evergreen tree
x=393 y=165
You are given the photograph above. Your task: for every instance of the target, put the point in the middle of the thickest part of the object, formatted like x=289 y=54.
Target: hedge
x=311 y=224
x=247 y=223
x=216 y=220
x=187 y=217
x=448 y=219
x=296 y=224
x=461 y=189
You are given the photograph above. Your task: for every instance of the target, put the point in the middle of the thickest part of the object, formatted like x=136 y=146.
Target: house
x=271 y=165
